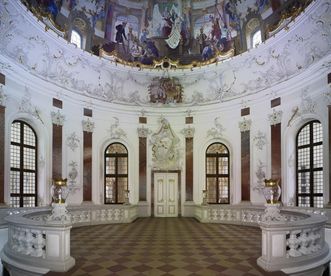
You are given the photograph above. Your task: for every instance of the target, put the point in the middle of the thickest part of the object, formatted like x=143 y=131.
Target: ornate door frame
x=179 y=191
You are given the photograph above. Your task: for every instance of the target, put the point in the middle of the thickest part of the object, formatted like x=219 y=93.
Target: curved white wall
x=293 y=65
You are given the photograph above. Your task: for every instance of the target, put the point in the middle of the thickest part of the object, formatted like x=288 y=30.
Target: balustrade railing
x=38 y=245
x=292 y=239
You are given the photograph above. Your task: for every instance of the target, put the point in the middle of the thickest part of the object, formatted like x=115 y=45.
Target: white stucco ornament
x=188 y=132
x=88 y=125
x=73 y=141
x=260 y=140
x=115 y=131
x=275 y=117
x=217 y=131
x=143 y=131
x=165 y=148
x=57 y=118
x=245 y=125
x=3 y=96
x=26 y=106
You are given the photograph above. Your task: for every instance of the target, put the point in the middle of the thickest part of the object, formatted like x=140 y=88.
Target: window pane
x=29 y=159
x=303 y=158
x=211 y=189
x=211 y=165
x=318 y=156
x=304 y=201
x=29 y=201
x=223 y=165
x=122 y=163
x=217 y=148
x=257 y=38
x=15 y=132
x=317 y=132
x=23 y=158
x=304 y=182
x=76 y=39
x=122 y=184
x=110 y=165
x=29 y=183
x=310 y=182
x=110 y=190
x=116 y=148
x=318 y=201
x=14 y=156
x=14 y=182
x=29 y=137
x=14 y=201
x=223 y=188
x=318 y=182
x=303 y=137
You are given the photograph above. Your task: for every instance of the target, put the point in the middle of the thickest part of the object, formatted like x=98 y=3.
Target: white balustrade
x=291 y=238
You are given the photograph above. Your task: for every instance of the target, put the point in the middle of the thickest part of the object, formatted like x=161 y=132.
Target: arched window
x=76 y=39
x=309 y=165
x=217 y=174
x=116 y=173
x=23 y=165
x=257 y=38
x=253 y=33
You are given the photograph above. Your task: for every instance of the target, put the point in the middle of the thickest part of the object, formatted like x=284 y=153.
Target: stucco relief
x=260 y=175
x=217 y=131
x=245 y=125
x=260 y=140
x=115 y=131
x=73 y=141
x=57 y=118
x=27 y=107
x=75 y=70
x=275 y=117
x=3 y=96
x=143 y=131
x=88 y=125
x=165 y=147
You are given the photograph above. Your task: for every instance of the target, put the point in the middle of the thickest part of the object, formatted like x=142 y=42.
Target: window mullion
x=311 y=140
x=116 y=180
x=21 y=163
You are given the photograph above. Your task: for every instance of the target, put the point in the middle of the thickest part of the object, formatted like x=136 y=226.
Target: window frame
x=21 y=169
x=217 y=175
x=80 y=36
x=116 y=175
x=311 y=168
x=252 y=46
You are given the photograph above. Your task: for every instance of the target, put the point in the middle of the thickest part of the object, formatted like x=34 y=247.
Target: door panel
x=166 y=194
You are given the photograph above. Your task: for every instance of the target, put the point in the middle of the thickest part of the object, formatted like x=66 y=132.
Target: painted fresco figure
x=207 y=52
x=202 y=38
x=167 y=26
x=120 y=34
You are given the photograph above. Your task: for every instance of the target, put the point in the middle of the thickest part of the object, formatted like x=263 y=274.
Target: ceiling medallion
x=165 y=90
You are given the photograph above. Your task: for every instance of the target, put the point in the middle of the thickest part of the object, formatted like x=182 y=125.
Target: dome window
x=76 y=39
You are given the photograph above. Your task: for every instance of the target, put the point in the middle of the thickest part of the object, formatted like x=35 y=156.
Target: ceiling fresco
x=144 y=33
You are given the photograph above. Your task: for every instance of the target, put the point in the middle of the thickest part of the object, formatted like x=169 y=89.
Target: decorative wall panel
x=245 y=165
x=276 y=172
x=87 y=166
x=57 y=151
x=142 y=168
x=189 y=169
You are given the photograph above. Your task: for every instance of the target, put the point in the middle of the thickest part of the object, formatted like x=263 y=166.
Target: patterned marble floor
x=166 y=246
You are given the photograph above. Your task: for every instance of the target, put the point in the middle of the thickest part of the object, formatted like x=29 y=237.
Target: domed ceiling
x=175 y=33
x=33 y=53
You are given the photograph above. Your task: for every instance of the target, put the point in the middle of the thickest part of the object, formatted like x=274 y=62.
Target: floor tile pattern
x=166 y=246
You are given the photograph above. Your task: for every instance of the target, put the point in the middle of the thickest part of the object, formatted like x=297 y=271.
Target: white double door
x=165 y=194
